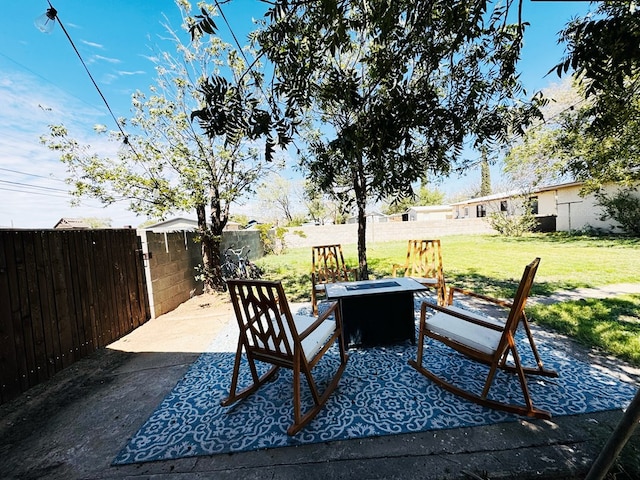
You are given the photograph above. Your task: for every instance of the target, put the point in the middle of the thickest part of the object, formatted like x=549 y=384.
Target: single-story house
x=181 y=223
x=557 y=207
x=372 y=217
x=429 y=212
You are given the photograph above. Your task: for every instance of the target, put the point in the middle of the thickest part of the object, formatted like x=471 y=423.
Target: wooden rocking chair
x=424 y=264
x=327 y=266
x=270 y=333
x=485 y=340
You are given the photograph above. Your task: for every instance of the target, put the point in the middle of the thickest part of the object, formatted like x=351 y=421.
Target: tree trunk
x=210 y=245
x=360 y=188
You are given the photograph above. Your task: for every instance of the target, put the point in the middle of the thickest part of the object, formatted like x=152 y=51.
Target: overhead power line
x=31 y=174
x=21 y=184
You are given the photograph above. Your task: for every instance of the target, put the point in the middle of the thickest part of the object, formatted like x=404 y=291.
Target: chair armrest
x=395 y=267
x=461 y=316
x=354 y=272
x=469 y=293
x=321 y=318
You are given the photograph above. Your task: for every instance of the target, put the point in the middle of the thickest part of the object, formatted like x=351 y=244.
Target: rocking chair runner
x=327 y=266
x=424 y=264
x=485 y=340
x=270 y=333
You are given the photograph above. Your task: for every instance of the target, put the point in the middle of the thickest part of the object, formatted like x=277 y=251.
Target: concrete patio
x=73 y=426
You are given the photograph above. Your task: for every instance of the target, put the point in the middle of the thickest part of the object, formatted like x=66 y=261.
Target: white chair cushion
x=473 y=336
x=311 y=344
x=426 y=281
x=317 y=338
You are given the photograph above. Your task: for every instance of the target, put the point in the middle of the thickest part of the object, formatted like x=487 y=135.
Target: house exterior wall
x=418 y=215
x=571 y=211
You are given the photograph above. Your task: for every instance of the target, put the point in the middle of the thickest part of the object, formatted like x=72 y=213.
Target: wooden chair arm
x=395 y=267
x=469 y=293
x=321 y=318
x=461 y=316
x=354 y=272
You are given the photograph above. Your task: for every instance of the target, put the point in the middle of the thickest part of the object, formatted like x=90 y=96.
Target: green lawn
x=493 y=265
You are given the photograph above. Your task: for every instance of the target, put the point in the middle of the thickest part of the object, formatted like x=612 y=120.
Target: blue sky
x=42 y=82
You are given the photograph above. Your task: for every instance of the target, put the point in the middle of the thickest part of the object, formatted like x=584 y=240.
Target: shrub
x=624 y=208
x=512 y=225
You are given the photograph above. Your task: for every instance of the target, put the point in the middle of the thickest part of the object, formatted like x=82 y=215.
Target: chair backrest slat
x=424 y=259
x=263 y=315
x=328 y=264
x=520 y=299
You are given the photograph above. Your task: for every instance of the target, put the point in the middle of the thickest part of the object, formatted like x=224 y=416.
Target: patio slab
x=73 y=426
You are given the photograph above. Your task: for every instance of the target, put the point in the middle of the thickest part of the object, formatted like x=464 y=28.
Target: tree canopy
x=398 y=87
x=600 y=139
x=168 y=163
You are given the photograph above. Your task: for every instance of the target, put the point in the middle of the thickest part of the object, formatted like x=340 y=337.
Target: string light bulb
x=47 y=20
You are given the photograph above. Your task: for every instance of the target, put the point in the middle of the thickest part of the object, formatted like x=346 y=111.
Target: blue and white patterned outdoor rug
x=379 y=394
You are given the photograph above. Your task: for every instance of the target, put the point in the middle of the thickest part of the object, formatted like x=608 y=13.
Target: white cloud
x=137 y=72
x=107 y=59
x=31 y=176
x=93 y=44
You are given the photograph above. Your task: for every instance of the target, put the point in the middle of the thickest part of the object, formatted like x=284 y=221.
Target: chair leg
x=258 y=381
x=314 y=299
x=529 y=410
x=302 y=419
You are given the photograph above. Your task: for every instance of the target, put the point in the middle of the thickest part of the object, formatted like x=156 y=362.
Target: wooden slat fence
x=63 y=295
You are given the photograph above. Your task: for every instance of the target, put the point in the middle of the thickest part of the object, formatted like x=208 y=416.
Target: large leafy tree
x=600 y=139
x=533 y=159
x=399 y=87
x=188 y=148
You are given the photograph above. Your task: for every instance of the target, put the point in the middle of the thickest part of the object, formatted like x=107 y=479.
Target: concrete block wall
x=170 y=261
x=237 y=239
x=384 y=231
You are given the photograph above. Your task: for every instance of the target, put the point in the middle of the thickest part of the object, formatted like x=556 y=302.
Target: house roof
x=179 y=223
x=72 y=223
x=514 y=193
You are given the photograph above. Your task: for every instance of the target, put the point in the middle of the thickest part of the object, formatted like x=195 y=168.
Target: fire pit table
x=376 y=312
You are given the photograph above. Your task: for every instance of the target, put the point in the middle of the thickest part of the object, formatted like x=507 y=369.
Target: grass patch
x=493 y=265
x=611 y=324
x=487 y=264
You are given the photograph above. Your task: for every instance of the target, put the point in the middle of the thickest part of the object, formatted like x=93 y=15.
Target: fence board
x=33 y=312
x=9 y=368
x=47 y=305
x=64 y=294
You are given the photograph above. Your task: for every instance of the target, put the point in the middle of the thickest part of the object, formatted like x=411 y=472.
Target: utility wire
x=32 y=193
x=31 y=174
x=55 y=12
x=33 y=186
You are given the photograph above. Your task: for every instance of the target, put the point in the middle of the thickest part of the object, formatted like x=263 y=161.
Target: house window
x=466 y=212
x=533 y=205
x=503 y=205
x=481 y=210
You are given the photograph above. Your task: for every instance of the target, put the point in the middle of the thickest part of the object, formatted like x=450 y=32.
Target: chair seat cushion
x=426 y=281
x=466 y=333
x=317 y=338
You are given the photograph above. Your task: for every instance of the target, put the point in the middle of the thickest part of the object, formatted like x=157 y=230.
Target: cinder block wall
x=384 y=231
x=237 y=239
x=170 y=261
x=170 y=264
